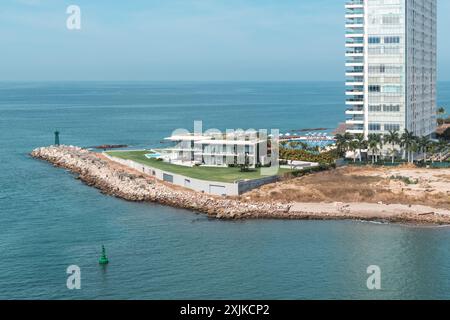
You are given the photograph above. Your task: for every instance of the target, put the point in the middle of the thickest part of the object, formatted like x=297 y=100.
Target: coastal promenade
x=124 y=182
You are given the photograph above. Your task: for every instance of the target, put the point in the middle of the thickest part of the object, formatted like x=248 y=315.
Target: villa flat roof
x=209 y=139
x=230 y=142
x=186 y=138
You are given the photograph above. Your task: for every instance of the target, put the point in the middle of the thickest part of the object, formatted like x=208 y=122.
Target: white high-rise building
x=391 y=66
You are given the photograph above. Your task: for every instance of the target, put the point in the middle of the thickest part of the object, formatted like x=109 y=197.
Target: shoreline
x=123 y=182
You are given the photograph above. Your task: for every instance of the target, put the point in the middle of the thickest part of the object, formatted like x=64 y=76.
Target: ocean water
x=49 y=220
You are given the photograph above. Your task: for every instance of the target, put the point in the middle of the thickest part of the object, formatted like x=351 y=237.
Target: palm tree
x=380 y=144
x=353 y=146
x=440 y=113
x=393 y=138
x=361 y=143
x=374 y=141
x=414 y=147
x=406 y=142
x=424 y=144
x=442 y=146
x=341 y=143
x=432 y=150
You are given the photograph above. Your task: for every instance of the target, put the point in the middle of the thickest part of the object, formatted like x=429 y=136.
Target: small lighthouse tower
x=56 y=138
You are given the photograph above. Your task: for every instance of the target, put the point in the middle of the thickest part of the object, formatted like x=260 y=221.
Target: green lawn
x=203 y=173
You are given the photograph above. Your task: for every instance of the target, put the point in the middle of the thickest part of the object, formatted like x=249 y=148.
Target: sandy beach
x=383 y=194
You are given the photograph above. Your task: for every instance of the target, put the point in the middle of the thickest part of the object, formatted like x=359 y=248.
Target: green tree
x=246 y=165
x=424 y=144
x=341 y=144
x=440 y=113
x=353 y=146
x=406 y=142
x=442 y=146
x=361 y=144
x=393 y=138
x=414 y=148
x=432 y=150
x=374 y=142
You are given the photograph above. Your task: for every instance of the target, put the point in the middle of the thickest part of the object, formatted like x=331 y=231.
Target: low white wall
x=245 y=186
x=294 y=164
x=211 y=187
x=206 y=186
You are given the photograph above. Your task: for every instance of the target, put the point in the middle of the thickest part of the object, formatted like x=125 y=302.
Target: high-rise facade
x=391 y=66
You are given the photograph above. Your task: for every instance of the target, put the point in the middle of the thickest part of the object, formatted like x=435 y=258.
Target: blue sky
x=182 y=40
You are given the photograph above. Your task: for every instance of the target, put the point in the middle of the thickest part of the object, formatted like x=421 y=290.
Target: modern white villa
x=391 y=66
x=217 y=149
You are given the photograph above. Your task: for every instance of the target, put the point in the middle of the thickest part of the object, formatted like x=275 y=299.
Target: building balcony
x=355 y=2
x=355 y=131
x=354 y=83
x=354 y=15
x=354 y=35
x=354 y=121
x=355 y=5
x=354 y=93
x=355 y=32
x=354 y=25
x=354 y=112
x=354 y=54
x=357 y=40
x=354 y=64
x=354 y=102
x=354 y=45
x=354 y=74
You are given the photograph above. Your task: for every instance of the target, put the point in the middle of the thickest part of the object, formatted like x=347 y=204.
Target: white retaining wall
x=210 y=187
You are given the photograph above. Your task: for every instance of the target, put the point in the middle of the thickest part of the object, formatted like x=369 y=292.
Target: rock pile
x=123 y=182
x=120 y=181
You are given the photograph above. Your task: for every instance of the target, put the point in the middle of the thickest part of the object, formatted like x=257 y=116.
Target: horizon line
x=281 y=81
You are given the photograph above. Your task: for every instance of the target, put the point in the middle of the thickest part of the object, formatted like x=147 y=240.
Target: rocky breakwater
x=124 y=182
x=120 y=181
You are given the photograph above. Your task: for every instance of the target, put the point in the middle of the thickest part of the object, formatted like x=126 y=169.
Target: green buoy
x=103 y=259
x=56 y=138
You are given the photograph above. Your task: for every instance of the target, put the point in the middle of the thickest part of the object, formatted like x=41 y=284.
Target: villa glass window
x=391 y=19
x=391 y=40
x=391 y=108
x=375 y=108
x=392 y=89
x=374 y=40
x=374 y=126
x=391 y=127
x=374 y=88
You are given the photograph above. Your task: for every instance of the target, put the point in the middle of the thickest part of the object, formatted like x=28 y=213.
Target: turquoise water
x=49 y=220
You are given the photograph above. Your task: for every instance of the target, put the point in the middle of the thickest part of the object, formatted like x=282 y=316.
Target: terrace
x=220 y=174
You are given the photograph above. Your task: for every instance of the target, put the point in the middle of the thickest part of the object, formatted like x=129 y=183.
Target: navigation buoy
x=56 y=138
x=103 y=259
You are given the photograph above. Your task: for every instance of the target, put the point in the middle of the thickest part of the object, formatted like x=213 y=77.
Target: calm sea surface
x=49 y=220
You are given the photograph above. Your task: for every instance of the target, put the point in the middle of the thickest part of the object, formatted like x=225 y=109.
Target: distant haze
x=291 y=40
